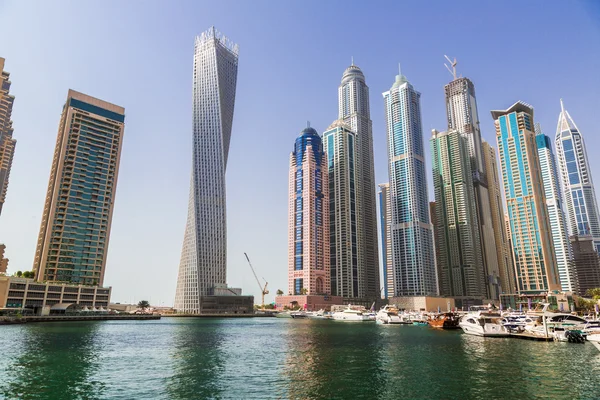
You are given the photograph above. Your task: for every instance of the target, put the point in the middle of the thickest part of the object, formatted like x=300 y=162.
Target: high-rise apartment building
x=348 y=273
x=308 y=235
x=503 y=248
x=560 y=236
x=578 y=188
x=411 y=233
x=73 y=241
x=461 y=110
x=7 y=143
x=532 y=246
x=460 y=264
x=203 y=264
x=353 y=96
x=586 y=262
x=385 y=217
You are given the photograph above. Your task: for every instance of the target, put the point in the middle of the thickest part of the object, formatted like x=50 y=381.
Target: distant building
x=43 y=297
x=348 y=272
x=354 y=111
x=560 y=236
x=74 y=234
x=503 y=249
x=7 y=143
x=586 y=261
x=460 y=262
x=413 y=255
x=532 y=245
x=203 y=261
x=385 y=216
x=578 y=189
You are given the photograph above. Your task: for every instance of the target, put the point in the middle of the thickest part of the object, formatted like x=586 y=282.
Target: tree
x=279 y=292
x=143 y=304
x=594 y=293
x=19 y=274
x=303 y=291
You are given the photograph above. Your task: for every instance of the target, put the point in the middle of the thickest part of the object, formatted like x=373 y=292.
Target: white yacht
x=350 y=315
x=594 y=339
x=388 y=315
x=318 y=314
x=481 y=321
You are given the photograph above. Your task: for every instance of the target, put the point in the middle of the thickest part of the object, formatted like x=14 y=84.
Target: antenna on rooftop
x=452 y=64
x=308 y=124
x=399 y=69
x=352 y=58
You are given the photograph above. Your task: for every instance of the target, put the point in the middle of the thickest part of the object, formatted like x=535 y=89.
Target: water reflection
x=197 y=359
x=328 y=359
x=57 y=361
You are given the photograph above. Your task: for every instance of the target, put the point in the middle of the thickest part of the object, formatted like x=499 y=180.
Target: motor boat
x=481 y=321
x=299 y=314
x=388 y=316
x=446 y=320
x=283 y=314
x=318 y=315
x=350 y=314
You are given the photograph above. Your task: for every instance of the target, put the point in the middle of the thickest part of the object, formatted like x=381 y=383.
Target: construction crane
x=263 y=290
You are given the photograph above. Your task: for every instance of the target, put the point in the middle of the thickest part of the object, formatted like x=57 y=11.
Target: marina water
x=272 y=358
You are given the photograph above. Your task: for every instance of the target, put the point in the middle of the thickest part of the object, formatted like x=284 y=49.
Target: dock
x=265 y=315
x=65 y=318
x=528 y=336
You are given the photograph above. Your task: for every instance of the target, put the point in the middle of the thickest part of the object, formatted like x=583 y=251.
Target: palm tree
x=143 y=304
x=279 y=292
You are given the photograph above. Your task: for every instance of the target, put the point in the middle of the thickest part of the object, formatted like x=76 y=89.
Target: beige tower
x=507 y=272
x=7 y=143
x=75 y=229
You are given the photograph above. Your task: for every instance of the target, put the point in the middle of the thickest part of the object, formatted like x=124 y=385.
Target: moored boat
x=595 y=340
x=446 y=320
x=350 y=315
x=388 y=316
x=481 y=321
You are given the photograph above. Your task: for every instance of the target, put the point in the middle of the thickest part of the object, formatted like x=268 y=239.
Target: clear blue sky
x=139 y=55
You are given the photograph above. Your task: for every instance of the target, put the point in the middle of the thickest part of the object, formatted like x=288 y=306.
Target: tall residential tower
x=385 y=216
x=204 y=254
x=460 y=264
x=531 y=239
x=353 y=96
x=411 y=233
x=308 y=228
x=7 y=143
x=578 y=188
x=461 y=110
x=73 y=241
x=560 y=236
x=347 y=271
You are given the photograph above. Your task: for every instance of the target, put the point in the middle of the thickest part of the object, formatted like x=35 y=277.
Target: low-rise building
x=423 y=303
x=39 y=297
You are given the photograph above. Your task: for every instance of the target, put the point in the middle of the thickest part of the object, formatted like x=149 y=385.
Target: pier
x=64 y=318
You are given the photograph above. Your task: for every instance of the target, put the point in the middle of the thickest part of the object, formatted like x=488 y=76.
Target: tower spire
x=352 y=59
x=562 y=106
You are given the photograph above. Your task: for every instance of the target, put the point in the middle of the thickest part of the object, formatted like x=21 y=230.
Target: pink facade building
x=309 y=276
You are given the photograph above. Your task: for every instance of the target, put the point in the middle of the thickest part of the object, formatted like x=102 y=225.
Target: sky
x=138 y=54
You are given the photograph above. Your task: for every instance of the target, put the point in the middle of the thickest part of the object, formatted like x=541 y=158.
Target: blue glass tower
x=413 y=258
x=532 y=246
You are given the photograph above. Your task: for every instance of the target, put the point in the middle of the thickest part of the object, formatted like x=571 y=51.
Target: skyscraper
x=560 y=236
x=308 y=250
x=461 y=110
x=204 y=254
x=74 y=233
x=385 y=216
x=353 y=95
x=578 y=188
x=503 y=248
x=410 y=229
x=7 y=143
x=460 y=264
x=533 y=250
x=348 y=273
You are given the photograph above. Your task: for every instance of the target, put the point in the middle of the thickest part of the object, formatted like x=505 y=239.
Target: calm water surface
x=271 y=358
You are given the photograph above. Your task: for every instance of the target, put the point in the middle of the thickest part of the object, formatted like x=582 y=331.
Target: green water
x=271 y=358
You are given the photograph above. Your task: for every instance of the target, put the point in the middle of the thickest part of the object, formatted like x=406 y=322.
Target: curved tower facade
x=204 y=253
x=578 y=187
x=354 y=111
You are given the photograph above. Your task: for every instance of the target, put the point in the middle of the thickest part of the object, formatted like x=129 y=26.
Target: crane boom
x=263 y=290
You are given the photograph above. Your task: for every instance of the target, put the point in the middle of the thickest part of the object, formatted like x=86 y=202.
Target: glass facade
x=73 y=242
x=7 y=143
x=411 y=231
